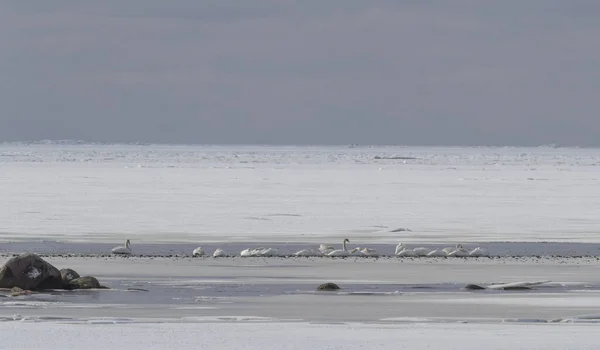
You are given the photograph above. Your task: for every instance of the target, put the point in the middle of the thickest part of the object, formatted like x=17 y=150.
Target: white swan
x=406 y=252
x=400 y=247
x=437 y=252
x=355 y=251
x=326 y=249
x=269 y=252
x=341 y=252
x=369 y=252
x=254 y=252
x=198 y=252
x=459 y=252
x=248 y=252
x=422 y=251
x=121 y=249
x=449 y=250
x=308 y=252
x=479 y=252
x=219 y=253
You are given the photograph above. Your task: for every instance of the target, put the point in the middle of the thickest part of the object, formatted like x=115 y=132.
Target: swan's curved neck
x=344 y=245
x=127 y=244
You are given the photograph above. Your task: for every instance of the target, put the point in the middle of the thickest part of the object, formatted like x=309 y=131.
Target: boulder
x=30 y=272
x=328 y=286
x=85 y=282
x=67 y=275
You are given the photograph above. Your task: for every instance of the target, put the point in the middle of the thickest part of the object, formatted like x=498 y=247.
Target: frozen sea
x=198 y=194
x=535 y=209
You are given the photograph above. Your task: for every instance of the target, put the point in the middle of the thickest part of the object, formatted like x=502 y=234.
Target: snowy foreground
x=259 y=336
x=258 y=303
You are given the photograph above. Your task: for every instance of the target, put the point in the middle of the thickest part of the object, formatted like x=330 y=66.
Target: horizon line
x=75 y=142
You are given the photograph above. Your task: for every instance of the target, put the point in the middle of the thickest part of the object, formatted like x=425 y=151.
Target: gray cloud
x=267 y=71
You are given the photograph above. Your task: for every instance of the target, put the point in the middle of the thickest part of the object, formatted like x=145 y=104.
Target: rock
x=476 y=287
x=29 y=272
x=16 y=291
x=473 y=287
x=67 y=275
x=85 y=282
x=328 y=286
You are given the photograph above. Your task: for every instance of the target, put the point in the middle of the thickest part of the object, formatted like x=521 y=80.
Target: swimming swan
x=121 y=249
x=198 y=252
x=341 y=252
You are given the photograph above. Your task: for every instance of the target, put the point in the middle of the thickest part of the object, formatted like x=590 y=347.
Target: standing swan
x=341 y=252
x=121 y=249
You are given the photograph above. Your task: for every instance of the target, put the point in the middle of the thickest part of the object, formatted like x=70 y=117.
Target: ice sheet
x=106 y=193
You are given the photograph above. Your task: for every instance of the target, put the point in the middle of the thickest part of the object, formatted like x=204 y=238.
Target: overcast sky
x=461 y=72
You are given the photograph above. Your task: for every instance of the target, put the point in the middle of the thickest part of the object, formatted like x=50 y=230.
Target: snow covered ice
x=304 y=194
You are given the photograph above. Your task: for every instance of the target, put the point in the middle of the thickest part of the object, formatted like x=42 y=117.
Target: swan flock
x=325 y=250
